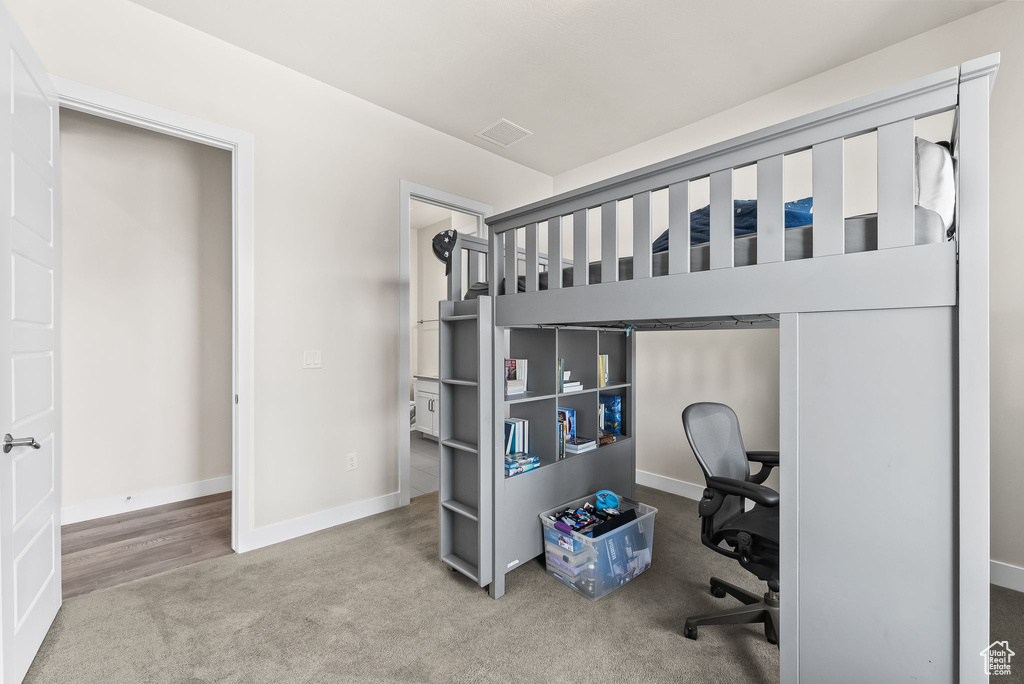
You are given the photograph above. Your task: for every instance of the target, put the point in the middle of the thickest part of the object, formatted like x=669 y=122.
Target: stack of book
x=515 y=376
x=517 y=436
x=602 y=370
x=520 y=463
x=579 y=445
x=574 y=386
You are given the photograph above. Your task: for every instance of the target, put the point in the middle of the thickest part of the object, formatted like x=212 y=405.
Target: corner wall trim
x=321 y=520
x=101 y=508
x=1006 y=575
x=670 y=485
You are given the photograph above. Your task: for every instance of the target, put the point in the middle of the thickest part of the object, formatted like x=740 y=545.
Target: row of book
x=517 y=436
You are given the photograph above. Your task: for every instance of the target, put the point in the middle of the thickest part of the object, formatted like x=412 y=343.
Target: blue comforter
x=798 y=214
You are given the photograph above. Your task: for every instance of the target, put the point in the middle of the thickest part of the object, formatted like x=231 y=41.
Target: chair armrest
x=757 y=493
x=766 y=457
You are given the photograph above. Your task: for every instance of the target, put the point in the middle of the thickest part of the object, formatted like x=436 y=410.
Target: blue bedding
x=798 y=213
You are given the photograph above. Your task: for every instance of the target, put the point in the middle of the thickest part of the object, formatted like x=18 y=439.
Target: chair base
x=755 y=609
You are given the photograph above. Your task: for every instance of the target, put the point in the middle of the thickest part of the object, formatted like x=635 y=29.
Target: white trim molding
x=407 y=192
x=321 y=520
x=90 y=100
x=125 y=503
x=670 y=485
x=1007 y=575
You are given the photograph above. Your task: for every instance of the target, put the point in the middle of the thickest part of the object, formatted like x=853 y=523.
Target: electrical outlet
x=311 y=359
x=353 y=461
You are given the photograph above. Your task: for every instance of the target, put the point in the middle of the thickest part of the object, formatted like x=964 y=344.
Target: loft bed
x=884 y=371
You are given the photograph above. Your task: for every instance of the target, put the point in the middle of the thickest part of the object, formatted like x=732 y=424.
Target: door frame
x=409 y=191
x=107 y=105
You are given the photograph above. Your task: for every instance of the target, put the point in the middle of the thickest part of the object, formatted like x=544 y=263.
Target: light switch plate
x=311 y=359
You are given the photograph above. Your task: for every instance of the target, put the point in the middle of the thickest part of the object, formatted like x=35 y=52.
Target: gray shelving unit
x=519 y=500
x=466 y=474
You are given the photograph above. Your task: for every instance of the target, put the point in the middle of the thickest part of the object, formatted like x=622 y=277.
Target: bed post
x=972 y=139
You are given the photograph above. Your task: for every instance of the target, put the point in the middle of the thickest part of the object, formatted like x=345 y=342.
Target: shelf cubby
x=537 y=346
x=616 y=346
x=578 y=348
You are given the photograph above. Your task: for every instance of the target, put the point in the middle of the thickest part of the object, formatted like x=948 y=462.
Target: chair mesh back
x=714 y=435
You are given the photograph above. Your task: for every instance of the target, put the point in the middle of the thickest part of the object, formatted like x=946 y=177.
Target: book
x=602 y=370
x=515 y=376
x=579 y=445
x=575 y=386
x=566 y=418
x=561 y=374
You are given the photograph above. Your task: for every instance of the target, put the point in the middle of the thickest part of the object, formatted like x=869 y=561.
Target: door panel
x=30 y=592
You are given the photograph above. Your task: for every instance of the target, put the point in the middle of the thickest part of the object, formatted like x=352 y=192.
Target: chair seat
x=759 y=521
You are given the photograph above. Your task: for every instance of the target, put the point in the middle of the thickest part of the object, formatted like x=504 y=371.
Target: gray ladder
x=466 y=465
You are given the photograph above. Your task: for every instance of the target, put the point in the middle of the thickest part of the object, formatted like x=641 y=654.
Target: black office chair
x=751 y=537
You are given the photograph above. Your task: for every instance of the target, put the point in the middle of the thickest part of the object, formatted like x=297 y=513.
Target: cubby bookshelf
x=519 y=500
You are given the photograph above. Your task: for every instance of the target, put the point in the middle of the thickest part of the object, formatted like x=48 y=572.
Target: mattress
x=861 y=235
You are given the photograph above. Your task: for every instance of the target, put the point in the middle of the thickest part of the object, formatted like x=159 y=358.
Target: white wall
x=146 y=318
x=327 y=176
x=997 y=29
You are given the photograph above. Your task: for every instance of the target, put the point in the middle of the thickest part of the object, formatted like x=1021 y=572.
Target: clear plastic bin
x=594 y=566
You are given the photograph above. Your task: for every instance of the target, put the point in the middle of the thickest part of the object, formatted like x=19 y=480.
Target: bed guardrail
x=469 y=264
x=891 y=113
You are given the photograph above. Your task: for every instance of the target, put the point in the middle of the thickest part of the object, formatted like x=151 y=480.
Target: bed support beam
x=580 y=248
x=455 y=275
x=555 y=253
x=679 y=228
x=609 y=242
x=973 y=379
x=829 y=229
x=896 y=184
x=643 y=264
x=771 y=210
x=532 y=259
x=722 y=214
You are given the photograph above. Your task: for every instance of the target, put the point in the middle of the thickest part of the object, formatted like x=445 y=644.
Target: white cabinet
x=427 y=406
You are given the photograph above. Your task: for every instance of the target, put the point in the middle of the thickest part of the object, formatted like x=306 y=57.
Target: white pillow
x=934 y=187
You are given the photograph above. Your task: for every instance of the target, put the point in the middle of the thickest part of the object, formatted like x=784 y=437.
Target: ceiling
x=587 y=77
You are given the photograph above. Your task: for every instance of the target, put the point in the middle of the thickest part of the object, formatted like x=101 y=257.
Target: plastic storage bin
x=594 y=566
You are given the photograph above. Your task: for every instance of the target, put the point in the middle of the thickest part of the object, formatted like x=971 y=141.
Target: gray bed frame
x=884 y=387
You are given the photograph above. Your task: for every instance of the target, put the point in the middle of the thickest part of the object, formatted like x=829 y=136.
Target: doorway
x=424 y=212
x=146 y=334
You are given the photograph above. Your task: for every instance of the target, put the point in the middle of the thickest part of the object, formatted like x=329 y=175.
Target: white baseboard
x=670 y=485
x=1006 y=575
x=101 y=508
x=314 y=522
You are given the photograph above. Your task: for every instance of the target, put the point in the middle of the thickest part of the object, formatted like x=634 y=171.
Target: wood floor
x=105 y=552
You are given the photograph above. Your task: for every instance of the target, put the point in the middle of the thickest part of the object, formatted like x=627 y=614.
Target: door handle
x=10 y=443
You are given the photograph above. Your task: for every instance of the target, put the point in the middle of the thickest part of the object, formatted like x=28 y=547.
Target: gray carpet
x=370 y=602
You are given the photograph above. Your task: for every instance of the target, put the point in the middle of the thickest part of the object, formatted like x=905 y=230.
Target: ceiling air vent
x=503 y=133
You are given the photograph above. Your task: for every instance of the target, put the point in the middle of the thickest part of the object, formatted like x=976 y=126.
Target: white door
x=424 y=422
x=30 y=591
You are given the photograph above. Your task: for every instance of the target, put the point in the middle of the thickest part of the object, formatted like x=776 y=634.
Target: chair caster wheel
x=718 y=592
x=771 y=636
x=690 y=633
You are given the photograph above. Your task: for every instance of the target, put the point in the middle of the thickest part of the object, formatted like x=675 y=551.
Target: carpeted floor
x=371 y=602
